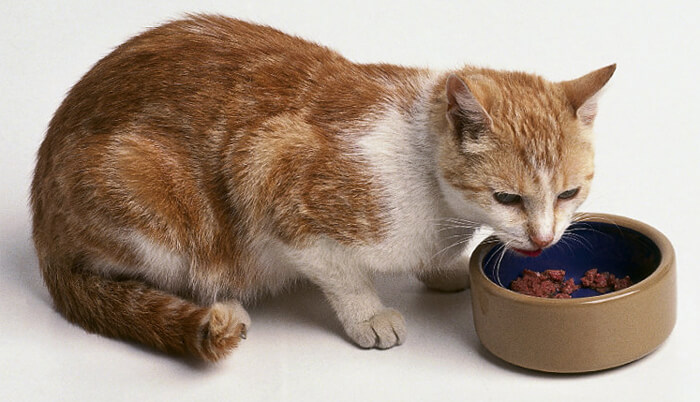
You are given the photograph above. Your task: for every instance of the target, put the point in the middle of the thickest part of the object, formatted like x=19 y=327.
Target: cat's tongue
x=529 y=253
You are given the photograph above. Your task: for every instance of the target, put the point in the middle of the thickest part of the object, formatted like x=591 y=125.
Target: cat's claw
x=384 y=330
x=224 y=326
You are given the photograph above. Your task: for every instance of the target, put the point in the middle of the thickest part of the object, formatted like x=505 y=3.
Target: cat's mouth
x=529 y=253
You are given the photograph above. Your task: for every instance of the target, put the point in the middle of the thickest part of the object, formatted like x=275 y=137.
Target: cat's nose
x=541 y=240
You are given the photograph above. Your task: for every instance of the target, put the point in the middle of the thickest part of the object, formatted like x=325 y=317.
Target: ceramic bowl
x=590 y=331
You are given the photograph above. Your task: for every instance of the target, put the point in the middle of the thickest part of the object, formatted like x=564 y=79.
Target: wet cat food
x=604 y=282
x=552 y=284
x=549 y=283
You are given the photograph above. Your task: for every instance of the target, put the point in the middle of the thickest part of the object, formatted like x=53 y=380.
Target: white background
x=647 y=168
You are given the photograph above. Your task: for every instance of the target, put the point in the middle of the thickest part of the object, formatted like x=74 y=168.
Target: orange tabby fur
x=180 y=161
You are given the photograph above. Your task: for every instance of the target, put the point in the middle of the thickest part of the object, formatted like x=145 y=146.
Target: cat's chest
x=420 y=230
x=400 y=156
x=422 y=236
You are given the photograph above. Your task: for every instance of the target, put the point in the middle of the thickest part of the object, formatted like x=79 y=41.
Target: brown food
x=604 y=282
x=549 y=283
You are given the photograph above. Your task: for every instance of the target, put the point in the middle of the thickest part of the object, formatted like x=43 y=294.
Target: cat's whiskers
x=455 y=228
x=500 y=260
x=456 y=235
x=454 y=219
x=588 y=217
x=588 y=229
x=456 y=225
x=572 y=233
x=564 y=242
x=463 y=241
x=496 y=251
x=579 y=239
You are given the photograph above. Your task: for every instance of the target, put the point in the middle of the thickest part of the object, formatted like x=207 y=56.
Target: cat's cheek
x=510 y=220
x=463 y=205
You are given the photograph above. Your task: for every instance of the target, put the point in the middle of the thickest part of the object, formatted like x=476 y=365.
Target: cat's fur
x=211 y=160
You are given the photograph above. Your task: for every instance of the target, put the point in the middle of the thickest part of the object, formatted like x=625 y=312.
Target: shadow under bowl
x=591 y=331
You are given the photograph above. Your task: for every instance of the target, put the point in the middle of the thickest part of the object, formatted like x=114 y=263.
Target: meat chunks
x=552 y=283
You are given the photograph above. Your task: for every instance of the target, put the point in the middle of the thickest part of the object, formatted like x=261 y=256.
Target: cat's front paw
x=446 y=280
x=453 y=278
x=384 y=330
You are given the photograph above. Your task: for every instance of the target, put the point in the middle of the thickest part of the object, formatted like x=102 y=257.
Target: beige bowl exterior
x=577 y=335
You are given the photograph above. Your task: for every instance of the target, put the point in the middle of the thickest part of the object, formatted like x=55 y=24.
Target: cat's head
x=517 y=151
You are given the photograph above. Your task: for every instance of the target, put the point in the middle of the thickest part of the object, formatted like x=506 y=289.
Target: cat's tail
x=132 y=310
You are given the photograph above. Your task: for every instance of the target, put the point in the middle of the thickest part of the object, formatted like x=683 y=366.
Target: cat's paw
x=448 y=280
x=224 y=326
x=384 y=330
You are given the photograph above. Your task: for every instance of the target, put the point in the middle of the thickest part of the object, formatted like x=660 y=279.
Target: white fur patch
x=158 y=263
x=275 y=267
x=401 y=153
x=543 y=218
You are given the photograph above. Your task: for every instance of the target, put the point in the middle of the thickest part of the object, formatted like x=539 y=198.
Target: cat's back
x=191 y=74
x=194 y=68
x=174 y=120
x=143 y=132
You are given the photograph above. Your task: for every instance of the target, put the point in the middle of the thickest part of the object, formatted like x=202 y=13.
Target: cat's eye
x=507 y=198
x=569 y=194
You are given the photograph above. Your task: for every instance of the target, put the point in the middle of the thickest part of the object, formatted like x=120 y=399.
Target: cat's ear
x=583 y=92
x=465 y=113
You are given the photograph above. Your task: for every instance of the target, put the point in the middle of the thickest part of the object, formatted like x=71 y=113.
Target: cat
x=209 y=161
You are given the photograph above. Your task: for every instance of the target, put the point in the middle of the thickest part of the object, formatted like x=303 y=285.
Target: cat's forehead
x=532 y=118
x=528 y=110
x=533 y=167
x=535 y=140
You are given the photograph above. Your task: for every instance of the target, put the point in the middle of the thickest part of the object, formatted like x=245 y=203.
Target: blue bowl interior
x=608 y=247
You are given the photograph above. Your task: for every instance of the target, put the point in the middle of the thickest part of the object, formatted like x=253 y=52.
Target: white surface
x=648 y=150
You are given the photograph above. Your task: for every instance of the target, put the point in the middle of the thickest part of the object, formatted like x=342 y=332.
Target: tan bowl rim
x=664 y=267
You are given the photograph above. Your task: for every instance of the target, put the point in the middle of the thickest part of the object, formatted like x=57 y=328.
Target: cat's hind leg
x=134 y=310
x=224 y=326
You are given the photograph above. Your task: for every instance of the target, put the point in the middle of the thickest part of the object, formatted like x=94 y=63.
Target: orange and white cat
x=209 y=161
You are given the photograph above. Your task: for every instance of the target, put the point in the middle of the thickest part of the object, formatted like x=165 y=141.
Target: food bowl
x=590 y=331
